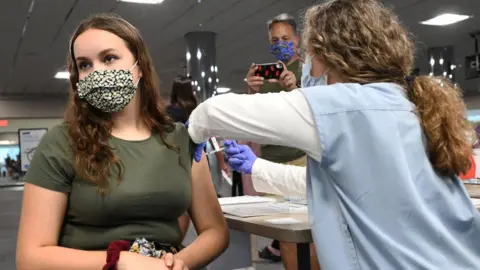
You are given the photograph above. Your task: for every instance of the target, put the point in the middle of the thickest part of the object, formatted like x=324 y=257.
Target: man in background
x=284 y=43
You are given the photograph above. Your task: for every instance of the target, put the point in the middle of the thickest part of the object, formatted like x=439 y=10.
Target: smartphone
x=269 y=70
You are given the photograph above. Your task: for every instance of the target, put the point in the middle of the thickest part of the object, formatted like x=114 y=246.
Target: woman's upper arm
x=205 y=210
x=48 y=181
x=42 y=215
x=52 y=164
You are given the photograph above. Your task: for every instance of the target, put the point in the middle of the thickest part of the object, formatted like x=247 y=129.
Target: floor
x=10 y=203
x=8 y=182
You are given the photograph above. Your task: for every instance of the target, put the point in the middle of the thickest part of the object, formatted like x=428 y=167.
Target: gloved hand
x=197 y=155
x=240 y=157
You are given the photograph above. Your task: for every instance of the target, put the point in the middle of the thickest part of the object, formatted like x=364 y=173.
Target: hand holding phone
x=254 y=83
x=286 y=78
x=269 y=71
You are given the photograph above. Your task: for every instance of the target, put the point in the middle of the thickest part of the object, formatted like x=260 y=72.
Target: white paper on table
x=283 y=221
x=288 y=207
x=475 y=202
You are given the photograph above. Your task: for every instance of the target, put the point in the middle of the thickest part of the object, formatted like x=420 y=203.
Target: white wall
x=15 y=124
x=472 y=102
x=12 y=137
x=33 y=107
x=40 y=107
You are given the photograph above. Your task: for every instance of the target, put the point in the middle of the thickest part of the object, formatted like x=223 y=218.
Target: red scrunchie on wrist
x=113 y=253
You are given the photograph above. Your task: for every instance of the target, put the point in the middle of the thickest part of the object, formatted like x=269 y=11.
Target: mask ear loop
x=134 y=65
x=302 y=54
x=325 y=73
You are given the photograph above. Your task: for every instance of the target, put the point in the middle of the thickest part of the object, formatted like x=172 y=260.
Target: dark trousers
x=275 y=244
x=237 y=185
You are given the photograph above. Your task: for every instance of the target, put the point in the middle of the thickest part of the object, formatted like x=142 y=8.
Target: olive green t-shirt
x=154 y=191
x=277 y=153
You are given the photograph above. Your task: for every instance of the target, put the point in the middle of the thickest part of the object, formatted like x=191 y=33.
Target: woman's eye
x=83 y=65
x=110 y=58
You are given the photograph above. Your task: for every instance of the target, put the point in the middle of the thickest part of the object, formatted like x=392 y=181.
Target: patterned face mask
x=108 y=90
x=283 y=50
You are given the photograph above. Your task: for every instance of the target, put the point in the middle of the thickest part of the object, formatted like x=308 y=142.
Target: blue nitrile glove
x=197 y=155
x=240 y=157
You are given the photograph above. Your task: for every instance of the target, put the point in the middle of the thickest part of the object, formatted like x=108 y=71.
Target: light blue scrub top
x=375 y=202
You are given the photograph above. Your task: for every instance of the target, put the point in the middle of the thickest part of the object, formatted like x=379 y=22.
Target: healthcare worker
x=384 y=150
x=270 y=177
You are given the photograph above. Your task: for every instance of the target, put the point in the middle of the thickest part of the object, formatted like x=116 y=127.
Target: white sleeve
x=281 y=118
x=280 y=179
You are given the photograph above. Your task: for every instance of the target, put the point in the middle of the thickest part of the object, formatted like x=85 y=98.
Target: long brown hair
x=183 y=96
x=364 y=42
x=90 y=128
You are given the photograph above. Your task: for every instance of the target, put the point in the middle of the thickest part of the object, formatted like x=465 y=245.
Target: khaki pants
x=302 y=162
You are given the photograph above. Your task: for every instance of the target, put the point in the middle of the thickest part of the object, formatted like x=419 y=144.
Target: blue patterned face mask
x=307 y=79
x=283 y=50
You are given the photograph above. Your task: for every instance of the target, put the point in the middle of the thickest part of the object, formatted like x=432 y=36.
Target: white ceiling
x=35 y=34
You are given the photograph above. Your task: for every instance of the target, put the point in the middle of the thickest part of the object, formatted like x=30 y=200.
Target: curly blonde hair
x=364 y=42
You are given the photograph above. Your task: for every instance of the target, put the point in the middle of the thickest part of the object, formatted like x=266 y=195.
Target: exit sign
x=3 y=123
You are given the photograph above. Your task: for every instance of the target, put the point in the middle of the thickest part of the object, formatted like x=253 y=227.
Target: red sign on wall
x=3 y=123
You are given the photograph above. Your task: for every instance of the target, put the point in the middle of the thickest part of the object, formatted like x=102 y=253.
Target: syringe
x=215 y=151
